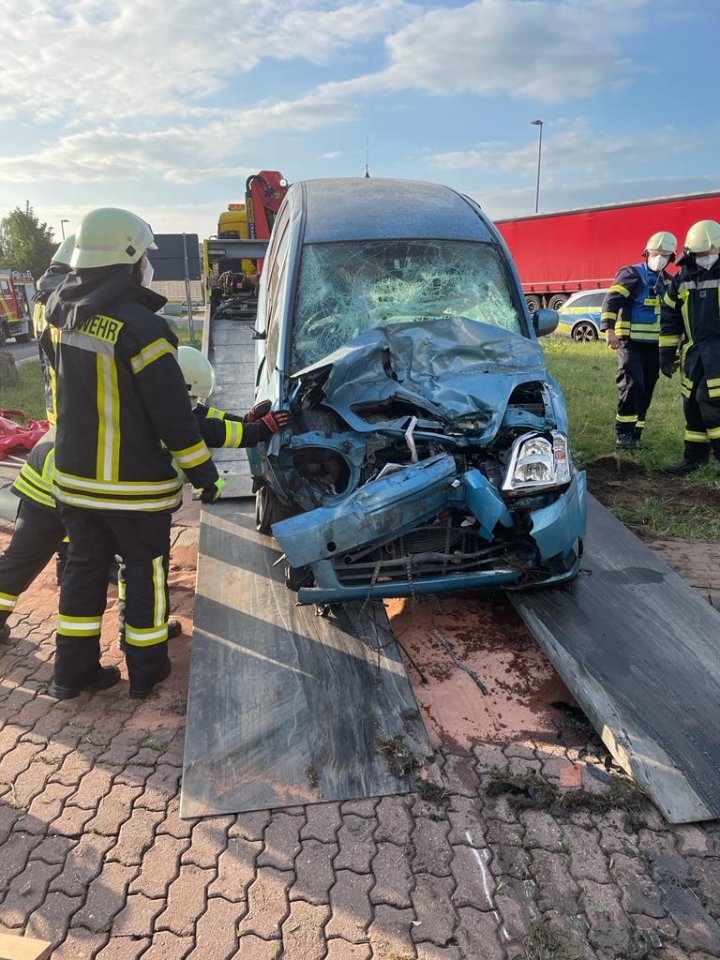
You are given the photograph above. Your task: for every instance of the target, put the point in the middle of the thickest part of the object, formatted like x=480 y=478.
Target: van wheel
x=557 y=301
x=584 y=332
x=269 y=509
x=534 y=303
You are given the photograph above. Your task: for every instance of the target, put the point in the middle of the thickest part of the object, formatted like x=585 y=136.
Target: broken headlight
x=538 y=462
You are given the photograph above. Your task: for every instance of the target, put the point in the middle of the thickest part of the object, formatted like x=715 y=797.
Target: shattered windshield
x=345 y=289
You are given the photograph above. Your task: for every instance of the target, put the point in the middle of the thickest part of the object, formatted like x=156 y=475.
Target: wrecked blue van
x=428 y=449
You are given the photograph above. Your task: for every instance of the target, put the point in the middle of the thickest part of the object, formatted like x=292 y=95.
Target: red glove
x=278 y=420
x=258 y=411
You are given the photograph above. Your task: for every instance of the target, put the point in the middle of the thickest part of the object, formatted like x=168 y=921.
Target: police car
x=580 y=316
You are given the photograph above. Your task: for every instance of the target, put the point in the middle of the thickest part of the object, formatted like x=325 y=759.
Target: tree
x=25 y=243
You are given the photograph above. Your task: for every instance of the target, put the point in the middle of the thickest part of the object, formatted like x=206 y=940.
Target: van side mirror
x=545 y=321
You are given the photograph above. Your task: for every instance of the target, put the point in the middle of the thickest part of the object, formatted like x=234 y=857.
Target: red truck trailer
x=557 y=254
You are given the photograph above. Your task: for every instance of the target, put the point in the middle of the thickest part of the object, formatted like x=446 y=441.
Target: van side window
x=276 y=287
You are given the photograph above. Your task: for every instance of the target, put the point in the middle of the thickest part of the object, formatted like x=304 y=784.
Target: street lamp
x=538 y=123
x=62 y=227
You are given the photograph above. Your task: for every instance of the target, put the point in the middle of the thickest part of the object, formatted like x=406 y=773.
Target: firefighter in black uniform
x=631 y=322
x=38 y=531
x=690 y=328
x=123 y=415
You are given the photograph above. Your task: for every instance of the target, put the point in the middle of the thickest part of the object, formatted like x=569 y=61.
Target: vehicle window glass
x=595 y=300
x=583 y=301
x=345 y=289
x=4 y=286
x=276 y=294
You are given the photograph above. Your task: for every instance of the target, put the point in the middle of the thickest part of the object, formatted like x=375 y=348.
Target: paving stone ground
x=94 y=856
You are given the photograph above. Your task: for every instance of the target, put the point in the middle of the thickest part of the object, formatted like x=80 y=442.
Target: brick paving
x=95 y=858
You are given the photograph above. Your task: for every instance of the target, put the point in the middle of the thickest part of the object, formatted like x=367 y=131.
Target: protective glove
x=211 y=494
x=272 y=422
x=668 y=368
x=258 y=411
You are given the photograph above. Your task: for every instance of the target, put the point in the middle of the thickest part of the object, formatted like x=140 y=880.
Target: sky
x=165 y=108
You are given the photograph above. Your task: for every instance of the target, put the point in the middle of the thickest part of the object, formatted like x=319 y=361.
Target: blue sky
x=165 y=108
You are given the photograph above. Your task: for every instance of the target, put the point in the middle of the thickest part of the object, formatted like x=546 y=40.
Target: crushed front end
x=424 y=458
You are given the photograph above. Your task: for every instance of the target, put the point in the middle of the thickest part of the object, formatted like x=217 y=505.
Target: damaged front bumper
x=426 y=528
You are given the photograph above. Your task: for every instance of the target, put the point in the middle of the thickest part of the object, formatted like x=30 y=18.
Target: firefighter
x=631 y=323
x=690 y=329
x=123 y=415
x=217 y=428
x=52 y=278
x=38 y=531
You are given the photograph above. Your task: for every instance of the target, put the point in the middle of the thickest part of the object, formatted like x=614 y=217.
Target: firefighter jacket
x=123 y=411
x=220 y=429
x=691 y=317
x=47 y=335
x=34 y=482
x=632 y=305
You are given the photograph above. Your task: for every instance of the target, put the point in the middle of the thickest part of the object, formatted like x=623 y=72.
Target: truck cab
x=16 y=295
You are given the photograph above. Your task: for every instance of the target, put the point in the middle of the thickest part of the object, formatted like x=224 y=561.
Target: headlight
x=538 y=463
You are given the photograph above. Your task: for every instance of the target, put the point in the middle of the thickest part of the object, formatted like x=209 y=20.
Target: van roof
x=369 y=208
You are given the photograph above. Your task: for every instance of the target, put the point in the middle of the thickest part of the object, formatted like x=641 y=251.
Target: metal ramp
x=286 y=707
x=639 y=649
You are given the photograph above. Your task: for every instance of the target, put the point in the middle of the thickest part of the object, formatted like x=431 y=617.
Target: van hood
x=453 y=374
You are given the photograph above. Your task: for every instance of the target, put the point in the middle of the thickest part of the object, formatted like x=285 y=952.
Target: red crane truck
x=557 y=254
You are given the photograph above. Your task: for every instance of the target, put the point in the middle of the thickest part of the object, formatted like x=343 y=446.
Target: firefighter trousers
x=702 y=424
x=143 y=540
x=38 y=534
x=637 y=374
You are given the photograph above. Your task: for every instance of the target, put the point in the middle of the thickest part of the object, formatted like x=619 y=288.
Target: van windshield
x=345 y=289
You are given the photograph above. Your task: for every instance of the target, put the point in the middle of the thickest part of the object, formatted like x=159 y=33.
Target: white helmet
x=108 y=237
x=63 y=254
x=198 y=372
x=663 y=241
x=702 y=236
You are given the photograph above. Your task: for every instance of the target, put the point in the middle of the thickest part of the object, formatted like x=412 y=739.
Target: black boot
x=102 y=679
x=684 y=468
x=139 y=693
x=626 y=441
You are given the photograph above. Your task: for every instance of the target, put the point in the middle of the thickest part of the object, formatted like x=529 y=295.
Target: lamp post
x=538 y=123
x=62 y=227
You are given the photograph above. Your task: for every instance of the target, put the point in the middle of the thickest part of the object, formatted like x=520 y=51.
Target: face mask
x=147 y=274
x=658 y=261
x=707 y=261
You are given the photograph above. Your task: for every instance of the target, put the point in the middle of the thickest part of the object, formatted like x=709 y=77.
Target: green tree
x=25 y=242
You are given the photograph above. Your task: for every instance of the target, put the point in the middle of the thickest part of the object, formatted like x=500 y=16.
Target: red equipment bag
x=14 y=436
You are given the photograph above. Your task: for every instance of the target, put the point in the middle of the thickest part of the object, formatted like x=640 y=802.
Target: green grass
x=27 y=394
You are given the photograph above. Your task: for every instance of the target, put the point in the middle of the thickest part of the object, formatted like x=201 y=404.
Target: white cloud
x=575 y=146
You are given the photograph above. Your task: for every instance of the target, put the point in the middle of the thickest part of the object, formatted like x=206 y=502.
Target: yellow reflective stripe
x=79 y=626
x=667 y=299
x=217 y=414
x=714 y=433
x=233 y=433
x=49 y=467
x=108 y=403
x=192 y=456
x=608 y=315
x=159 y=605
x=713 y=381
x=7 y=601
x=31 y=475
x=695 y=436
x=669 y=339
x=640 y=424
x=122 y=589
x=622 y=419
x=619 y=288
x=145 y=636
x=128 y=486
x=622 y=328
x=655 y=325
x=98 y=503
x=636 y=335
x=153 y=351
x=714 y=392
x=33 y=493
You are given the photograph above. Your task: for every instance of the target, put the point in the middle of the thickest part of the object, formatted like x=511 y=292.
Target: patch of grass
x=670 y=517
x=401 y=760
x=543 y=943
x=432 y=793
x=27 y=394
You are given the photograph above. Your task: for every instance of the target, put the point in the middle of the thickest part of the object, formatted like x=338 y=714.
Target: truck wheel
x=268 y=510
x=584 y=332
x=534 y=303
x=557 y=301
